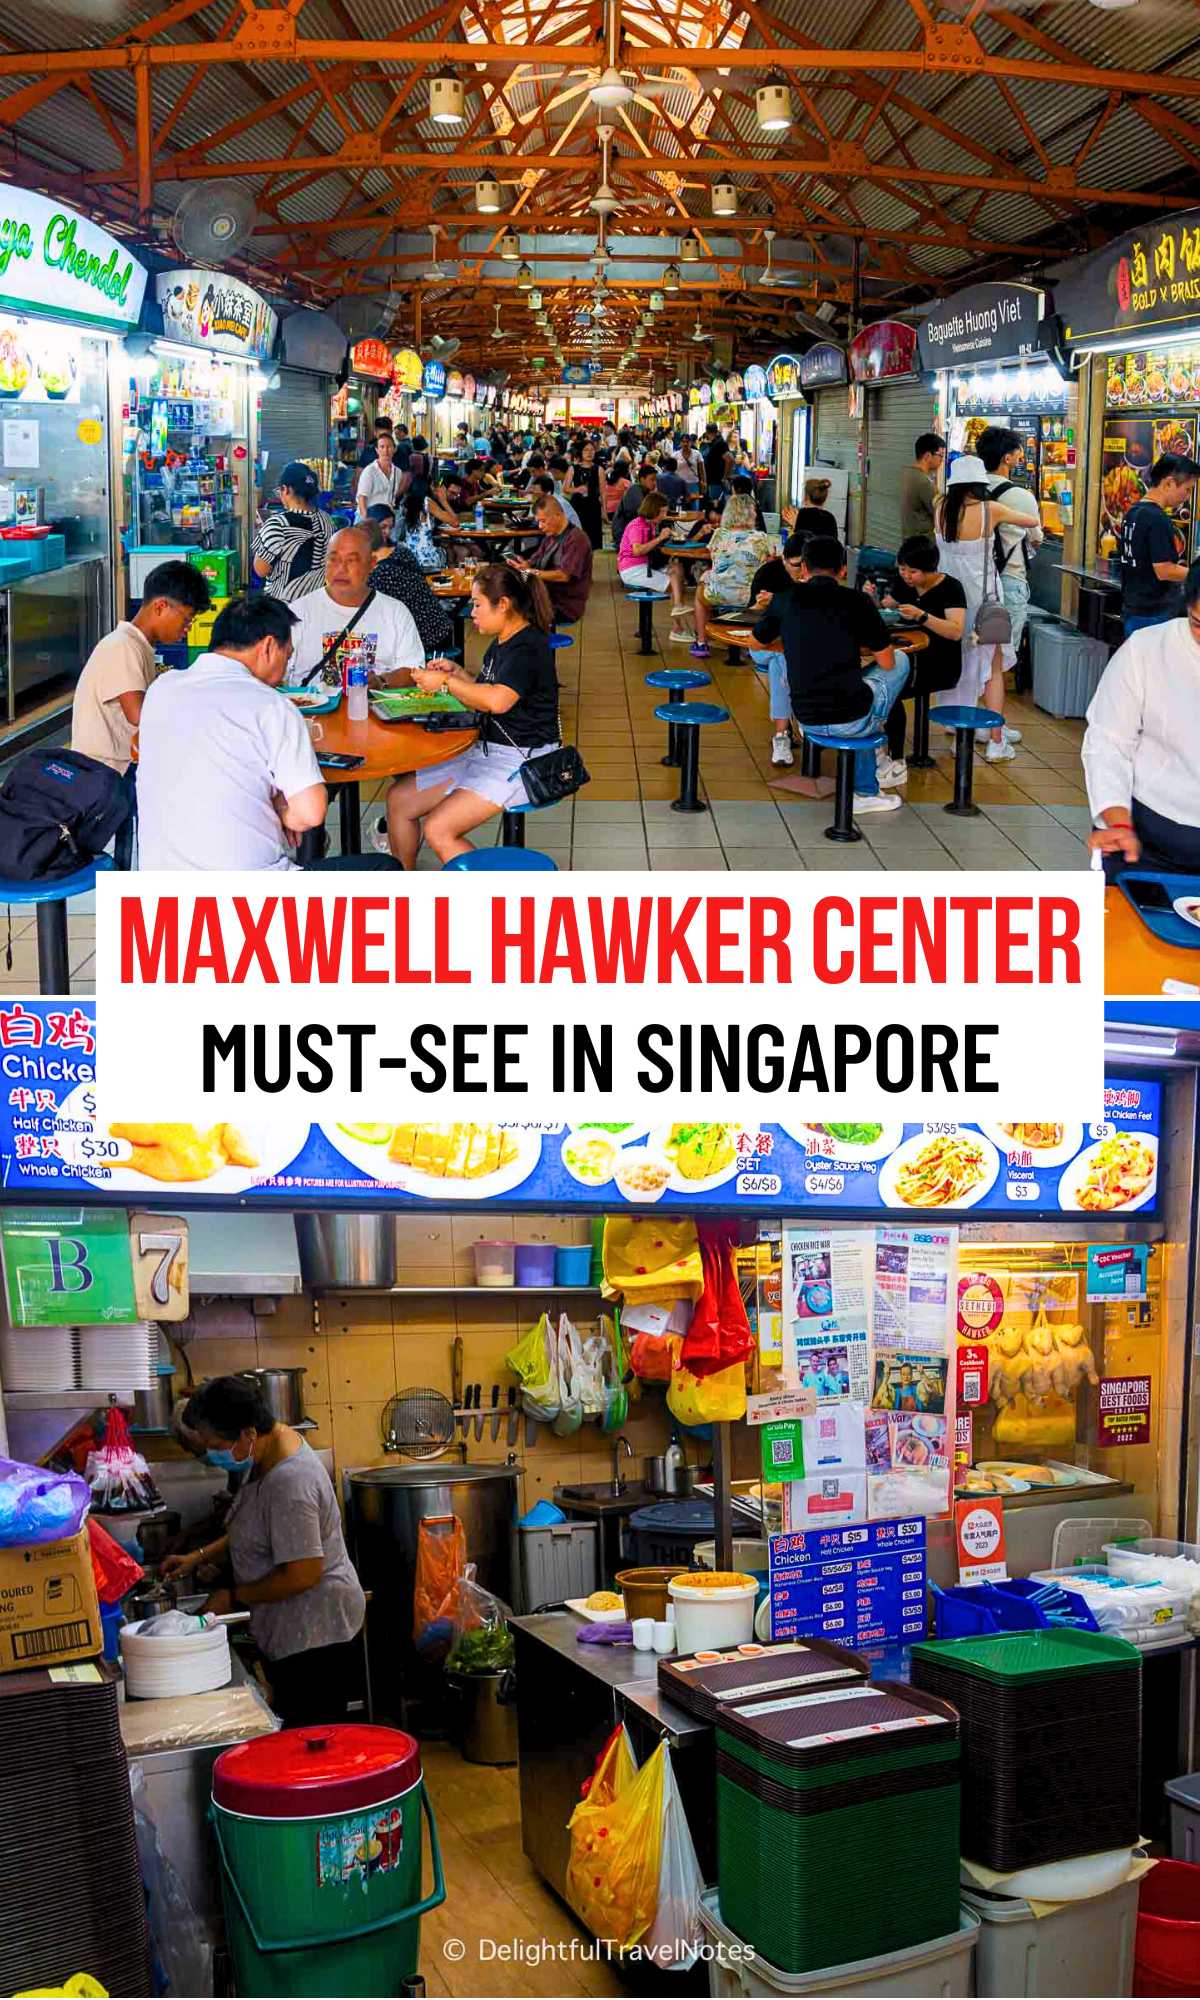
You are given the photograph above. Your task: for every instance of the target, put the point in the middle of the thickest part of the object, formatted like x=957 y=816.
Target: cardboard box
x=49 y=1611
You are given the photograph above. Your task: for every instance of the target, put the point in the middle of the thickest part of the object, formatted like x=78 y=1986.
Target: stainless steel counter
x=52 y=621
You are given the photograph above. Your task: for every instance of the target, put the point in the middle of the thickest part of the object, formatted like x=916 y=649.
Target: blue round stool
x=689 y=718
x=50 y=897
x=843 y=827
x=678 y=681
x=560 y=639
x=645 y=601
x=502 y=861
x=964 y=722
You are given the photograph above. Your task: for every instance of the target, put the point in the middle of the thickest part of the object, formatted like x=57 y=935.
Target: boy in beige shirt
x=110 y=690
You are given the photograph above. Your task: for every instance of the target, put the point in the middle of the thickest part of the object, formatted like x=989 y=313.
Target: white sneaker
x=999 y=753
x=892 y=772
x=781 y=747
x=1011 y=735
x=682 y=635
x=876 y=802
x=379 y=837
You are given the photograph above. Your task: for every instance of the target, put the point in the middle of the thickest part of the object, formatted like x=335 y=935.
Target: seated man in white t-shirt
x=227 y=774
x=383 y=638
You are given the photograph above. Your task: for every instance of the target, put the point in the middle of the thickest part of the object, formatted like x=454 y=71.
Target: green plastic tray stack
x=837 y=1824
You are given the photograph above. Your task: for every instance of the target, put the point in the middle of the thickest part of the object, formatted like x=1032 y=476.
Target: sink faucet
x=618 y=1484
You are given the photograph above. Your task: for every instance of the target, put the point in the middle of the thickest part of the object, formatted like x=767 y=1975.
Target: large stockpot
x=349 y=1251
x=386 y=1505
x=281 y=1390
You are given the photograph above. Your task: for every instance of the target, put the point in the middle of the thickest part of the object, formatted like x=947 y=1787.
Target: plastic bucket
x=1084 y=1947
x=493 y=1263
x=573 y=1264
x=328 y=1902
x=712 y=1616
x=941 y=1966
x=1167 y=1960
x=645 y=1590
x=1183 y=1795
x=535 y=1263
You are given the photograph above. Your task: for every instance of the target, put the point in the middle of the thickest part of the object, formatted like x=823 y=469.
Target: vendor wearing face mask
x=283 y=1543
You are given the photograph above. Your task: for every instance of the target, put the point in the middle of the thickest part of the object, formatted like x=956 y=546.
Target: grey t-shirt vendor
x=289 y=1514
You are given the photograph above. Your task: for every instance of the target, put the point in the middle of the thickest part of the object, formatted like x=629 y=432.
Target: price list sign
x=860 y=1585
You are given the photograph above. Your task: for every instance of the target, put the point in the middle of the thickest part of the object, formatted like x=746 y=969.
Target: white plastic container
x=1183 y=1796
x=713 y=1616
x=193 y=1663
x=1151 y=1559
x=1080 y=1948
x=495 y=1263
x=938 y=1970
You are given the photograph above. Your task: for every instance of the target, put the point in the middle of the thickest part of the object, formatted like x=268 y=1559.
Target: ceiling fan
x=610 y=87
x=435 y=274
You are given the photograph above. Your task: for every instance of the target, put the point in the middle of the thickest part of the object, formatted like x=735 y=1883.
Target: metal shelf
x=455 y=1291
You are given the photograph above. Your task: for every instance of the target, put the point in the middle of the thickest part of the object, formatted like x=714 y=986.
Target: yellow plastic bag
x=652 y=1261
x=708 y=1399
x=534 y=1362
x=616 y=1846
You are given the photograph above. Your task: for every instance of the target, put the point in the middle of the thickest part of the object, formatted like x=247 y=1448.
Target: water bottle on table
x=479 y=513
x=356 y=693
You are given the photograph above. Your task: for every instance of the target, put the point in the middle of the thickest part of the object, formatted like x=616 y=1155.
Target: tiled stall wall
x=371 y=1346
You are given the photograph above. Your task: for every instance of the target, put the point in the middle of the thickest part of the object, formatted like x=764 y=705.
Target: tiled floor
x=1033 y=810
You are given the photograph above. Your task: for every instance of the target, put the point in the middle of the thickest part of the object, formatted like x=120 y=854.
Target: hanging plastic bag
x=719 y=1333
x=616 y=1846
x=652 y=1258
x=589 y=1374
x=675 y=1937
x=534 y=1362
x=37 y=1505
x=118 y=1475
x=570 y=1363
x=113 y=1567
x=719 y=1398
x=441 y=1560
x=652 y=1356
x=483 y=1643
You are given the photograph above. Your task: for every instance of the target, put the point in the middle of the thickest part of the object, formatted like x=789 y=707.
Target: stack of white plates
x=190 y=1664
x=39 y=1357
x=119 y=1358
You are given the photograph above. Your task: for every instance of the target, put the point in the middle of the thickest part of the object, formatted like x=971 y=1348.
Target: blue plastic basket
x=973 y=1610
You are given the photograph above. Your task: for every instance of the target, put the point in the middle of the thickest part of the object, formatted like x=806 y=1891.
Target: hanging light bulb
x=773 y=107
x=671 y=278
x=525 y=278
x=487 y=195
x=689 y=249
x=509 y=246
x=725 y=198
x=447 y=98
x=657 y=302
x=535 y=300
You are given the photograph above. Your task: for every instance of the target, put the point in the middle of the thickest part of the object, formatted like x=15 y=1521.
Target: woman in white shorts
x=516 y=698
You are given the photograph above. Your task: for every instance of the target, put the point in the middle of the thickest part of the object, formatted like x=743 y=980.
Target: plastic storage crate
x=1084 y=1947
x=940 y=1968
x=1067 y=666
x=556 y=1563
x=669 y=1531
x=1184 y=1796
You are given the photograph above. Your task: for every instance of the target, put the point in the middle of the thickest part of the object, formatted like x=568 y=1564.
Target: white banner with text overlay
x=673 y=995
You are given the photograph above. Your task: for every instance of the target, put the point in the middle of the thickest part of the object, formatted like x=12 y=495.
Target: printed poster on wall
x=826 y=1275
x=1124 y=1412
x=1117 y=1271
x=909 y=1446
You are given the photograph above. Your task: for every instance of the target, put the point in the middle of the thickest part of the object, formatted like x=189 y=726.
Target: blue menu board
x=860 y=1585
x=52 y=1145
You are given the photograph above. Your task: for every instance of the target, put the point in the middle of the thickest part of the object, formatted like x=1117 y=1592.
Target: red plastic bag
x=652 y=1356
x=719 y=1333
x=113 y=1567
x=441 y=1560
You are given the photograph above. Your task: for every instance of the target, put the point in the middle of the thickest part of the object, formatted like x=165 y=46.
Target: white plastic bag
x=570 y=1361
x=675 y=1936
x=589 y=1374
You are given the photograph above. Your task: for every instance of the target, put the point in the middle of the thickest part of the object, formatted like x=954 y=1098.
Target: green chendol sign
x=54 y=261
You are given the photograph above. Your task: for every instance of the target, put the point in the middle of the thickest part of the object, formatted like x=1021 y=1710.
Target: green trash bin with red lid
x=319 y=1833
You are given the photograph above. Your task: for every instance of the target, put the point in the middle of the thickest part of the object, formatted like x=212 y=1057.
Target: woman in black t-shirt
x=935 y=604
x=515 y=696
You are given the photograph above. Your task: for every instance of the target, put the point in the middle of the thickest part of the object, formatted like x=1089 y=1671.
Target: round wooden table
x=452 y=587
x=1135 y=961
x=388 y=750
x=486 y=536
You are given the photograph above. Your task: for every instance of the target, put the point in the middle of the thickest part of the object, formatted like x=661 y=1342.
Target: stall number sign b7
x=67 y=1267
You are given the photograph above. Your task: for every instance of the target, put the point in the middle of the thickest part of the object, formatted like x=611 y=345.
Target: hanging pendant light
x=725 y=198
x=525 y=277
x=671 y=278
x=773 y=107
x=535 y=300
x=487 y=195
x=509 y=246
x=689 y=249
x=447 y=98
x=657 y=302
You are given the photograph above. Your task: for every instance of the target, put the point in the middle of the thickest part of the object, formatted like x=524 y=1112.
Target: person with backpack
x=1003 y=456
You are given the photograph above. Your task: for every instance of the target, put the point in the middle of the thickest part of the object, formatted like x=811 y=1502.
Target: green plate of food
x=410 y=705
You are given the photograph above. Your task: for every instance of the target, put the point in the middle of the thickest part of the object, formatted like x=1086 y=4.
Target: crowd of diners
x=226 y=773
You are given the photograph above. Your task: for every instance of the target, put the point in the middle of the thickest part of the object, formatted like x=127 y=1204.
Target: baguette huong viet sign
x=1148 y=279
x=55 y=261
x=982 y=323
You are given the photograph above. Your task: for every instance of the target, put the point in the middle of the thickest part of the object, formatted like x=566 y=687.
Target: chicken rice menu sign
x=1145 y=280
x=210 y=309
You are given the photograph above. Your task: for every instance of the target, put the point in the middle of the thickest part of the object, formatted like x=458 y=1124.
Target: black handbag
x=555 y=775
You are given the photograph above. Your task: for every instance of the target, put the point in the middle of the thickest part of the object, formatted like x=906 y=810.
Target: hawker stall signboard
x=209 y=309
x=824 y=366
x=886 y=352
x=783 y=377
x=1146 y=281
x=53 y=1146
x=981 y=324
x=54 y=261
